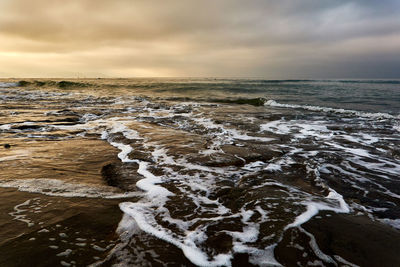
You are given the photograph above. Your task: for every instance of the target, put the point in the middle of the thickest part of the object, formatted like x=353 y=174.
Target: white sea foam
x=378 y=115
x=7 y=85
x=314 y=207
x=19 y=215
x=354 y=151
x=160 y=155
x=253 y=166
x=392 y=222
x=317 y=251
x=275 y=127
x=149 y=183
x=264 y=257
x=14 y=157
x=226 y=135
x=53 y=187
x=125 y=151
x=141 y=215
x=272 y=167
x=144 y=214
x=88 y=117
x=65 y=253
x=298 y=129
x=344 y=262
x=64 y=263
x=397 y=127
x=188 y=245
x=5 y=127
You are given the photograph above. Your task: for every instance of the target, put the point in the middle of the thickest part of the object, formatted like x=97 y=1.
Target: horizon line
x=204 y=77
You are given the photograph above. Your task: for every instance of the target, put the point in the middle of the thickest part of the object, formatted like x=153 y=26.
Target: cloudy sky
x=219 y=38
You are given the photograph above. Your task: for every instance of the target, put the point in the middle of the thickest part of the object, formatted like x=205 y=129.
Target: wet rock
x=395 y=152
x=121 y=175
x=157 y=171
x=217 y=160
x=69 y=119
x=233 y=198
x=64 y=112
x=27 y=127
x=140 y=155
x=294 y=250
x=241 y=259
x=356 y=239
x=220 y=242
x=296 y=175
x=250 y=180
x=177 y=207
x=182 y=109
x=242 y=152
x=266 y=152
x=221 y=192
x=94 y=220
x=158 y=106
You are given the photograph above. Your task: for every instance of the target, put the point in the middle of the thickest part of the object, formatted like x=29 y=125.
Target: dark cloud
x=273 y=39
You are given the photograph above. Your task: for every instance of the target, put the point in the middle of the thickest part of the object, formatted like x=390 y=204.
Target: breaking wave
x=379 y=115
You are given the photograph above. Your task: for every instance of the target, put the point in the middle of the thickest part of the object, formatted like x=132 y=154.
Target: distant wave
x=325 y=81
x=59 y=84
x=273 y=103
x=370 y=81
x=240 y=101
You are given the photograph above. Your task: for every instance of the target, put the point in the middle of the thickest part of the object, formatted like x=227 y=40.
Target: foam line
x=314 y=207
x=8 y=85
x=273 y=103
x=318 y=252
x=188 y=247
x=125 y=151
x=53 y=187
x=148 y=184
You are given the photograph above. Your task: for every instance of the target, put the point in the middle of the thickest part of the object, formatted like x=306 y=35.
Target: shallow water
x=211 y=172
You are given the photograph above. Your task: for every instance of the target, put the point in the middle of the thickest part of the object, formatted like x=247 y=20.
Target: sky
x=280 y=39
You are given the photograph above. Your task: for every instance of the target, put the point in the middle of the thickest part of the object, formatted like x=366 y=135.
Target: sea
x=199 y=172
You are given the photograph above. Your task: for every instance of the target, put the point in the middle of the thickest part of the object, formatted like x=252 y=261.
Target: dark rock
x=220 y=242
x=27 y=127
x=121 y=175
x=181 y=110
x=242 y=152
x=356 y=239
x=69 y=119
x=66 y=112
x=217 y=160
x=241 y=259
x=7 y=146
x=243 y=101
x=177 y=207
x=140 y=155
x=233 y=198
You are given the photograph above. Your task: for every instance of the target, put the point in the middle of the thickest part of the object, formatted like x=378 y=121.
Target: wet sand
x=70 y=230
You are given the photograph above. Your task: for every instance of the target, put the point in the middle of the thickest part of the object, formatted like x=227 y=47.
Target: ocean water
x=207 y=172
